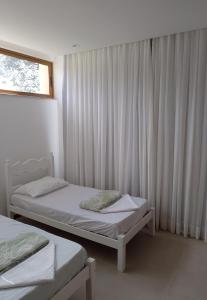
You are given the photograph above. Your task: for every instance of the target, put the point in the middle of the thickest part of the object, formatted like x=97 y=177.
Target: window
x=25 y=75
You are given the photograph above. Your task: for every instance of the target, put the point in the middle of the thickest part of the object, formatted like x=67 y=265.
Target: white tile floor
x=166 y=267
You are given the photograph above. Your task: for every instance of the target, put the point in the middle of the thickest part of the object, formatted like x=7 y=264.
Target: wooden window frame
x=34 y=60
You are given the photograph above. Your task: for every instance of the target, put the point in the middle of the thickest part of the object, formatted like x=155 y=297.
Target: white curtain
x=135 y=119
x=180 y=101
x=108 y=118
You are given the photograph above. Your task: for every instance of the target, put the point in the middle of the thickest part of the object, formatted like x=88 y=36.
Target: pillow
x=41 y=186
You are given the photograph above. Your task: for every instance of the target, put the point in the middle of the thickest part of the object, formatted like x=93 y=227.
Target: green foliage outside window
x=18 y=74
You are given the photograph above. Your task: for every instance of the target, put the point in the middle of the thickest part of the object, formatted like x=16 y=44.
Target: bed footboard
x=86 y=278
x=90 y=283
x=149 y=221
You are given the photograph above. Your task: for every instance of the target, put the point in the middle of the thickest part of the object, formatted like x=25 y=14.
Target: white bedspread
x=63 y=206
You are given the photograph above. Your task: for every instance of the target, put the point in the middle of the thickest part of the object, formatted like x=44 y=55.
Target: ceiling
x=52 y=27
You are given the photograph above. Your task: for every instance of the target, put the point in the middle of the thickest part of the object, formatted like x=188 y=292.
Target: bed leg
x=151 y=224
x=90 y=283
x=121 y=264
x=10 y=214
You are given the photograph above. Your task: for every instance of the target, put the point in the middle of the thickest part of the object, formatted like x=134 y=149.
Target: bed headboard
x=21 y=172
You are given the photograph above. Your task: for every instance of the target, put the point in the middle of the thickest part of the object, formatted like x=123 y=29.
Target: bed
x=73 y=268
x=61 y=210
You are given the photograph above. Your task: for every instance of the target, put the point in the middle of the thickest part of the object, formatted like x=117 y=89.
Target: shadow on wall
x=28 y=128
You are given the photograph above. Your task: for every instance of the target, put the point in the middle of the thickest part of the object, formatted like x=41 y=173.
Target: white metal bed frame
x=84 y=277
x=21 y=172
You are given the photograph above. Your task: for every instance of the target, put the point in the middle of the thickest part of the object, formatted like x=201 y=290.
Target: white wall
x=95 y=24
x=28 y=128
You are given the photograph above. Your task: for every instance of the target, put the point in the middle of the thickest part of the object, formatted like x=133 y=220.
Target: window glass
x=26 y=76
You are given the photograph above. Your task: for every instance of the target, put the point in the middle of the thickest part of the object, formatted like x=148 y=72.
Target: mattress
x=63 y=206
x=70 y=259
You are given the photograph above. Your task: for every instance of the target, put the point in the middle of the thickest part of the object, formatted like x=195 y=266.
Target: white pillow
x=41 y=186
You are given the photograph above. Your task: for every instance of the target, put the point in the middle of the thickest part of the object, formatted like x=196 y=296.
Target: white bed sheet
x=63 y=205
x=70 y=258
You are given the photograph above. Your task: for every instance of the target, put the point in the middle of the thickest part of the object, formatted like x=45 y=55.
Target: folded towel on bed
x=100 y=201
x=37 y=269
x=125 y=204
x=12 y=252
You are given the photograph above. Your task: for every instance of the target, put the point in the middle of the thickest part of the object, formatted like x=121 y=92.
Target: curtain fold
x=108 y=123
x=135 y=119
x=180 y=74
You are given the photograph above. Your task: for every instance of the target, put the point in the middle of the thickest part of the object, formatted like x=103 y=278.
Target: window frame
x=34 y=60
